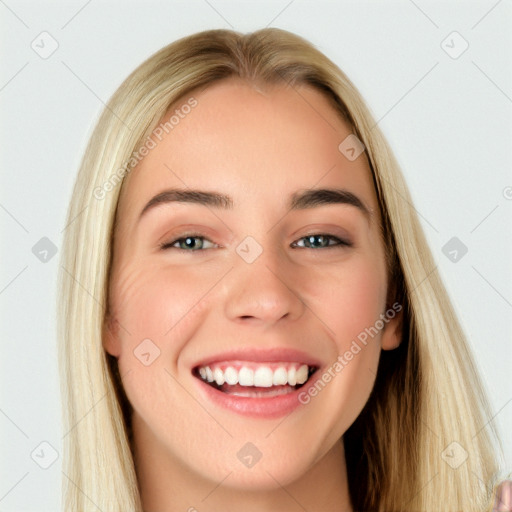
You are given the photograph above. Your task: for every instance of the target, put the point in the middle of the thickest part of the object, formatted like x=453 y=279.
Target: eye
x=189 y=243
x=195 y=242
x=321 y=241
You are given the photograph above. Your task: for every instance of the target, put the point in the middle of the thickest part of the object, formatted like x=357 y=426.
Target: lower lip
x=259 y=407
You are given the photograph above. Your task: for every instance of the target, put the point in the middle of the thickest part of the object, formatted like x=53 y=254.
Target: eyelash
x=340 y=242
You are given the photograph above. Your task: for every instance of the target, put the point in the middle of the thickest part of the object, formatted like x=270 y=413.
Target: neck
x=167 y=484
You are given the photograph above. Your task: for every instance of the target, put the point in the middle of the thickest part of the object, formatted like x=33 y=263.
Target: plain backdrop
x=445 y=109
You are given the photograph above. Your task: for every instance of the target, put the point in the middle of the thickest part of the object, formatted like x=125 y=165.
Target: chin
x=255 y=470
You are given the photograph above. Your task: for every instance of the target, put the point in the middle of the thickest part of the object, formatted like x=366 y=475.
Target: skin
x=258 y=146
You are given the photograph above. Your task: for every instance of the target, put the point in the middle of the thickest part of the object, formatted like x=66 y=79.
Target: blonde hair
x=427 y=394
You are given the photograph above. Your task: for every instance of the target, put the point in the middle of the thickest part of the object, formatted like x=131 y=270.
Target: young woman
x=251 y=317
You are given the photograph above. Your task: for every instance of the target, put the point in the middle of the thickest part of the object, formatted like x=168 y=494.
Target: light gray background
x=447 y=119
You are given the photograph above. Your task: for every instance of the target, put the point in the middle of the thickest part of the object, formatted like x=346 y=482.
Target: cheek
x=350 y=300
x=158 y=310
x=361 y=301
x=151 y=303
x=349 y=303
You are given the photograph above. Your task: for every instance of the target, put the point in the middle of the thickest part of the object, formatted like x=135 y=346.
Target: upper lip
x=274 y=355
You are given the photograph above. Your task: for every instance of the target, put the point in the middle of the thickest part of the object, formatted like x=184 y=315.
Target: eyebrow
x=300 y=200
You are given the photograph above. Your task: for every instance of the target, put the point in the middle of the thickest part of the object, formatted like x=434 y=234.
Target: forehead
x=258 y=145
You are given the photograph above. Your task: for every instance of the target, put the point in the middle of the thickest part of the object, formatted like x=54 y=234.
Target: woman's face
x=272 y=280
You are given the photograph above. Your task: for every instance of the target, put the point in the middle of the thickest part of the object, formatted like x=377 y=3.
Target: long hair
x=424 y=440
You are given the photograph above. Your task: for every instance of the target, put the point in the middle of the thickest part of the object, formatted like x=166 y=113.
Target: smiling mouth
x=256 y=380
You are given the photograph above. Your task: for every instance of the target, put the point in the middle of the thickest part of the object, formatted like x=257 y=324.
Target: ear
x=392 y=330
x=110 y=336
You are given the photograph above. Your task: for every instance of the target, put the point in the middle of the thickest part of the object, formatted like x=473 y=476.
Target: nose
x=264 y=291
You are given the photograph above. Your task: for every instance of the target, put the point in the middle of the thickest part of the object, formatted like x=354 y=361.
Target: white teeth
x=292 y=379
x=280 y=377
x=302 y=374
x=261 y=376
x=246 y=377
x=218 y=376
x=231 y=376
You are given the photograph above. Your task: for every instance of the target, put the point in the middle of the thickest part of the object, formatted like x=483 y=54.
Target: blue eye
x=321 y=241
x=195 y=242
x=188 y=243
